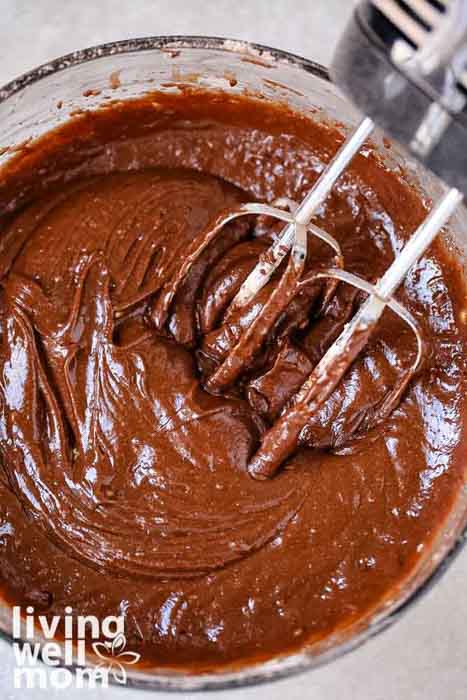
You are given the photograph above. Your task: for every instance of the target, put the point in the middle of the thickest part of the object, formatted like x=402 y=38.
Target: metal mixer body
x=404 y=64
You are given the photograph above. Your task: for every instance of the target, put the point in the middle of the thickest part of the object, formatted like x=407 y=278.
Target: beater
x=404 y=64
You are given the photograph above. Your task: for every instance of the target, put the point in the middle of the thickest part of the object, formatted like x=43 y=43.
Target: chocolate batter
x=124 y=486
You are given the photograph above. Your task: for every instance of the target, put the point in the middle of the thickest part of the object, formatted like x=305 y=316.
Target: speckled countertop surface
x=424 y=656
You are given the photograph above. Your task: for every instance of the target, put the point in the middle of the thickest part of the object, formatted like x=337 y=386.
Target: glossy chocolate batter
x=124 y=486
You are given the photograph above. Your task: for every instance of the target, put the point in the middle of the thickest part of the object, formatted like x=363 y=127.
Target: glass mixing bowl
x=47 y=96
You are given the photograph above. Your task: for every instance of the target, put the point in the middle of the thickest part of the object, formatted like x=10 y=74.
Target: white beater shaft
x=261 y=274
x=371 y=311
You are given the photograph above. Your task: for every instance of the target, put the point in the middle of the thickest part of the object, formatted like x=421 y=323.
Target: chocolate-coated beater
x=281 y=440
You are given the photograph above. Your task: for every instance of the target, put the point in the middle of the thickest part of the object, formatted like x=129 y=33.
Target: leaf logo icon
x=115 y=658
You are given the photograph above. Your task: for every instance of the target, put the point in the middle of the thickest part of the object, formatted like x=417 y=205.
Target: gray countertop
x=424 y=656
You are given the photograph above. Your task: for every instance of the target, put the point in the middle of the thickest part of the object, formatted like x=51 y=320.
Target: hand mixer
x=404 y=64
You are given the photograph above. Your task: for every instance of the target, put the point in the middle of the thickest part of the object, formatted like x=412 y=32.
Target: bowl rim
x=161 y=42
x=286 y=665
